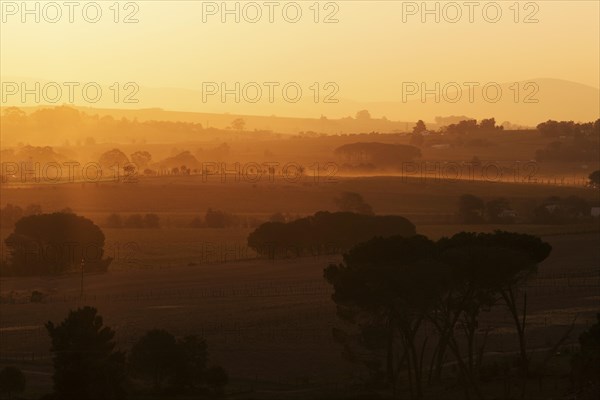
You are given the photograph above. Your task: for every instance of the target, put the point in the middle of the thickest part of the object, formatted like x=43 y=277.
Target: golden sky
x=369 y=52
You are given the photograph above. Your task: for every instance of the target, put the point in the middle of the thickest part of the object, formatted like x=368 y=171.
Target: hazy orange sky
x=369 y=52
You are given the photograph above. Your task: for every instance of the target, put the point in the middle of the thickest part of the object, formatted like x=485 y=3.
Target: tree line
x=88 y=365
x=388 y=288
x=324 y=233
x=553 y=210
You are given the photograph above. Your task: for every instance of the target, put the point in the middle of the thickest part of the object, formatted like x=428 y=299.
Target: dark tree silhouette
x=363 y=115
x=155 y=356
x=238 y=124
x=12 y=381
x=218 y=219
x=86 y=365
x=134 y=221
x=419 y=127
x=112 y=162
x=471 y=209
x=388 y=287
x=352 y=202
x=494 y=266
x=496 y=210
x=56 y=243
x=384 y=155
x=324 y=233
x=151 y=221
x=387 y=282
x=586 y=363
x=595 y=179
x=178 y=365
x=191 y=367
x=141 y=159
x=114 y=221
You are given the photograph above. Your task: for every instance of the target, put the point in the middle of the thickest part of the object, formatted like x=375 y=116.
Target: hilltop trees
x=324 y=233
x=238 y=124
x=141 y=159
x=383 y=155
x=86 y=364
x=353 y=202
x=363 y=115
x=10 y=214
x=419 y=127
x=55 y=243
x=553 y=128
x=417 y=139
x=114 y=160
x=389 y=287
x=471 y=126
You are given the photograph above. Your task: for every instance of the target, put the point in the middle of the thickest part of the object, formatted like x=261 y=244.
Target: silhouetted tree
x=56 y=243
x=384 y=155
x=324 y=233
x=10 y=214
x=238 y=124
x=112 y=162
x=353 y=202
x=277 y=217
x=595 y=179
x=141 y=159
x=114 y=221
x=134 y=221
x=495 y=266
x=388 y=287
x=218 y=219
x=419 y=127
x=363 y=115
x=586 y=363
x=463 y=127
x=86 y=365
x=12 y=381
x=497 y=210
x=155 y=356
x=556 y=210
x=197 y=222
x=191 y=367
x=151 y=221
x=471 y=209
x=489 y=125
x=387 y=282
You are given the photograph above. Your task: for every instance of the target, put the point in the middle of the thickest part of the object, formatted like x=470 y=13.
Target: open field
x=256 y=313
x=180 y=198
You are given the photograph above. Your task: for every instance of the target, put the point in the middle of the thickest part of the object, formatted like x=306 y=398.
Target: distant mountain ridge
x=527 y=102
